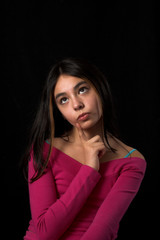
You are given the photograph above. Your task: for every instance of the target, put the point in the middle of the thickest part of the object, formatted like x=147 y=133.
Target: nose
x=77 y=104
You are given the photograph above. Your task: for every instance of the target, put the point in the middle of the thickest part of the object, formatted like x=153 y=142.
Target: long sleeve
x=106 y=221
x=52 y=216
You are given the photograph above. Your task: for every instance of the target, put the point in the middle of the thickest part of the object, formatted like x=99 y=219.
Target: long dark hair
x=49 y=122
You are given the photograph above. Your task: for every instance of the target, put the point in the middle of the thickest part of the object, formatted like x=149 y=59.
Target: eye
x=63 y=100
x=83 y=90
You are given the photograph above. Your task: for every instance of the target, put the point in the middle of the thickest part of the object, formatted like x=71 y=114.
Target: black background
x=120 y=38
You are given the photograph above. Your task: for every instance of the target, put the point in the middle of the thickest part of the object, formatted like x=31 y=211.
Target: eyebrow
x=75 y=87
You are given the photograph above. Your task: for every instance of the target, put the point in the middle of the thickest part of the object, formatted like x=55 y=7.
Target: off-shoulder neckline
x=101 y=163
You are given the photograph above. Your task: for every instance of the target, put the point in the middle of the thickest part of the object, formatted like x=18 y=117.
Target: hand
x=93 y=148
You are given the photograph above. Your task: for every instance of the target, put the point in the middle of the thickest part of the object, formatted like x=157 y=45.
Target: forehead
x=66 y=83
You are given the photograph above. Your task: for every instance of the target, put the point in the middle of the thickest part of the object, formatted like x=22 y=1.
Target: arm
x=105 y=223
x=52 y=216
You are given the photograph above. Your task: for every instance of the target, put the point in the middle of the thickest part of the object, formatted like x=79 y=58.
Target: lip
x=83 y=116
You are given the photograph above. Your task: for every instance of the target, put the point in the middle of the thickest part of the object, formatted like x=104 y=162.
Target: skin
x=73 y=97
x=79 y=97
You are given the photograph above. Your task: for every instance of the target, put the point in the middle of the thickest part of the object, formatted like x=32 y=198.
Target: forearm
x=106 y=222
x=57 y=218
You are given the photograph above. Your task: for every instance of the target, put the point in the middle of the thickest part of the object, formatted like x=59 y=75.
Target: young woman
x=82 y=178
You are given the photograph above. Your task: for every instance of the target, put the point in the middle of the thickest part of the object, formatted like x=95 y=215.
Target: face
x=78 y=101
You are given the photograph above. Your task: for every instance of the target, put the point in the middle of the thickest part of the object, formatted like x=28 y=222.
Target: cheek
x=96 y=104
x=68 y=115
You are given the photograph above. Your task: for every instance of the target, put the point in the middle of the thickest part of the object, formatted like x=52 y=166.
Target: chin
x=87 y=124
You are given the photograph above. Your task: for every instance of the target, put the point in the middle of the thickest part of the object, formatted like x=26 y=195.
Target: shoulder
x=56 y=141
x=124 y=149
x=59 y=142
x=135 y=160
x=135 y=153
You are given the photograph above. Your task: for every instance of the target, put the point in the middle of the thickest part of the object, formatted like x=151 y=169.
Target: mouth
x=83 y=116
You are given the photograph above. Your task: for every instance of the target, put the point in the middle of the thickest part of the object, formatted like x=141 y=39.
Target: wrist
x=94 y=166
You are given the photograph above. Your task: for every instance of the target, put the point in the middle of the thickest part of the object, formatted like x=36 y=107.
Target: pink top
x=72 y=201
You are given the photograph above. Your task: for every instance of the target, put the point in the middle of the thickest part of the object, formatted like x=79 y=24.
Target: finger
x=100 y=148
x=101 y=153
x=96 y=138
x=81 y=132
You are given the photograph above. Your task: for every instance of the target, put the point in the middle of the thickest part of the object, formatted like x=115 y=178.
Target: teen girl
x=82 y=178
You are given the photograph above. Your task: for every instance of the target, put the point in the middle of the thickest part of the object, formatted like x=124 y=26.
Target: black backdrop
x=120 y=38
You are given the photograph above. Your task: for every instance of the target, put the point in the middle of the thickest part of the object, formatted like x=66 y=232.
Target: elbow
x=46 y=231
x=103 y=232
x=112 y=232
x=45 y=235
